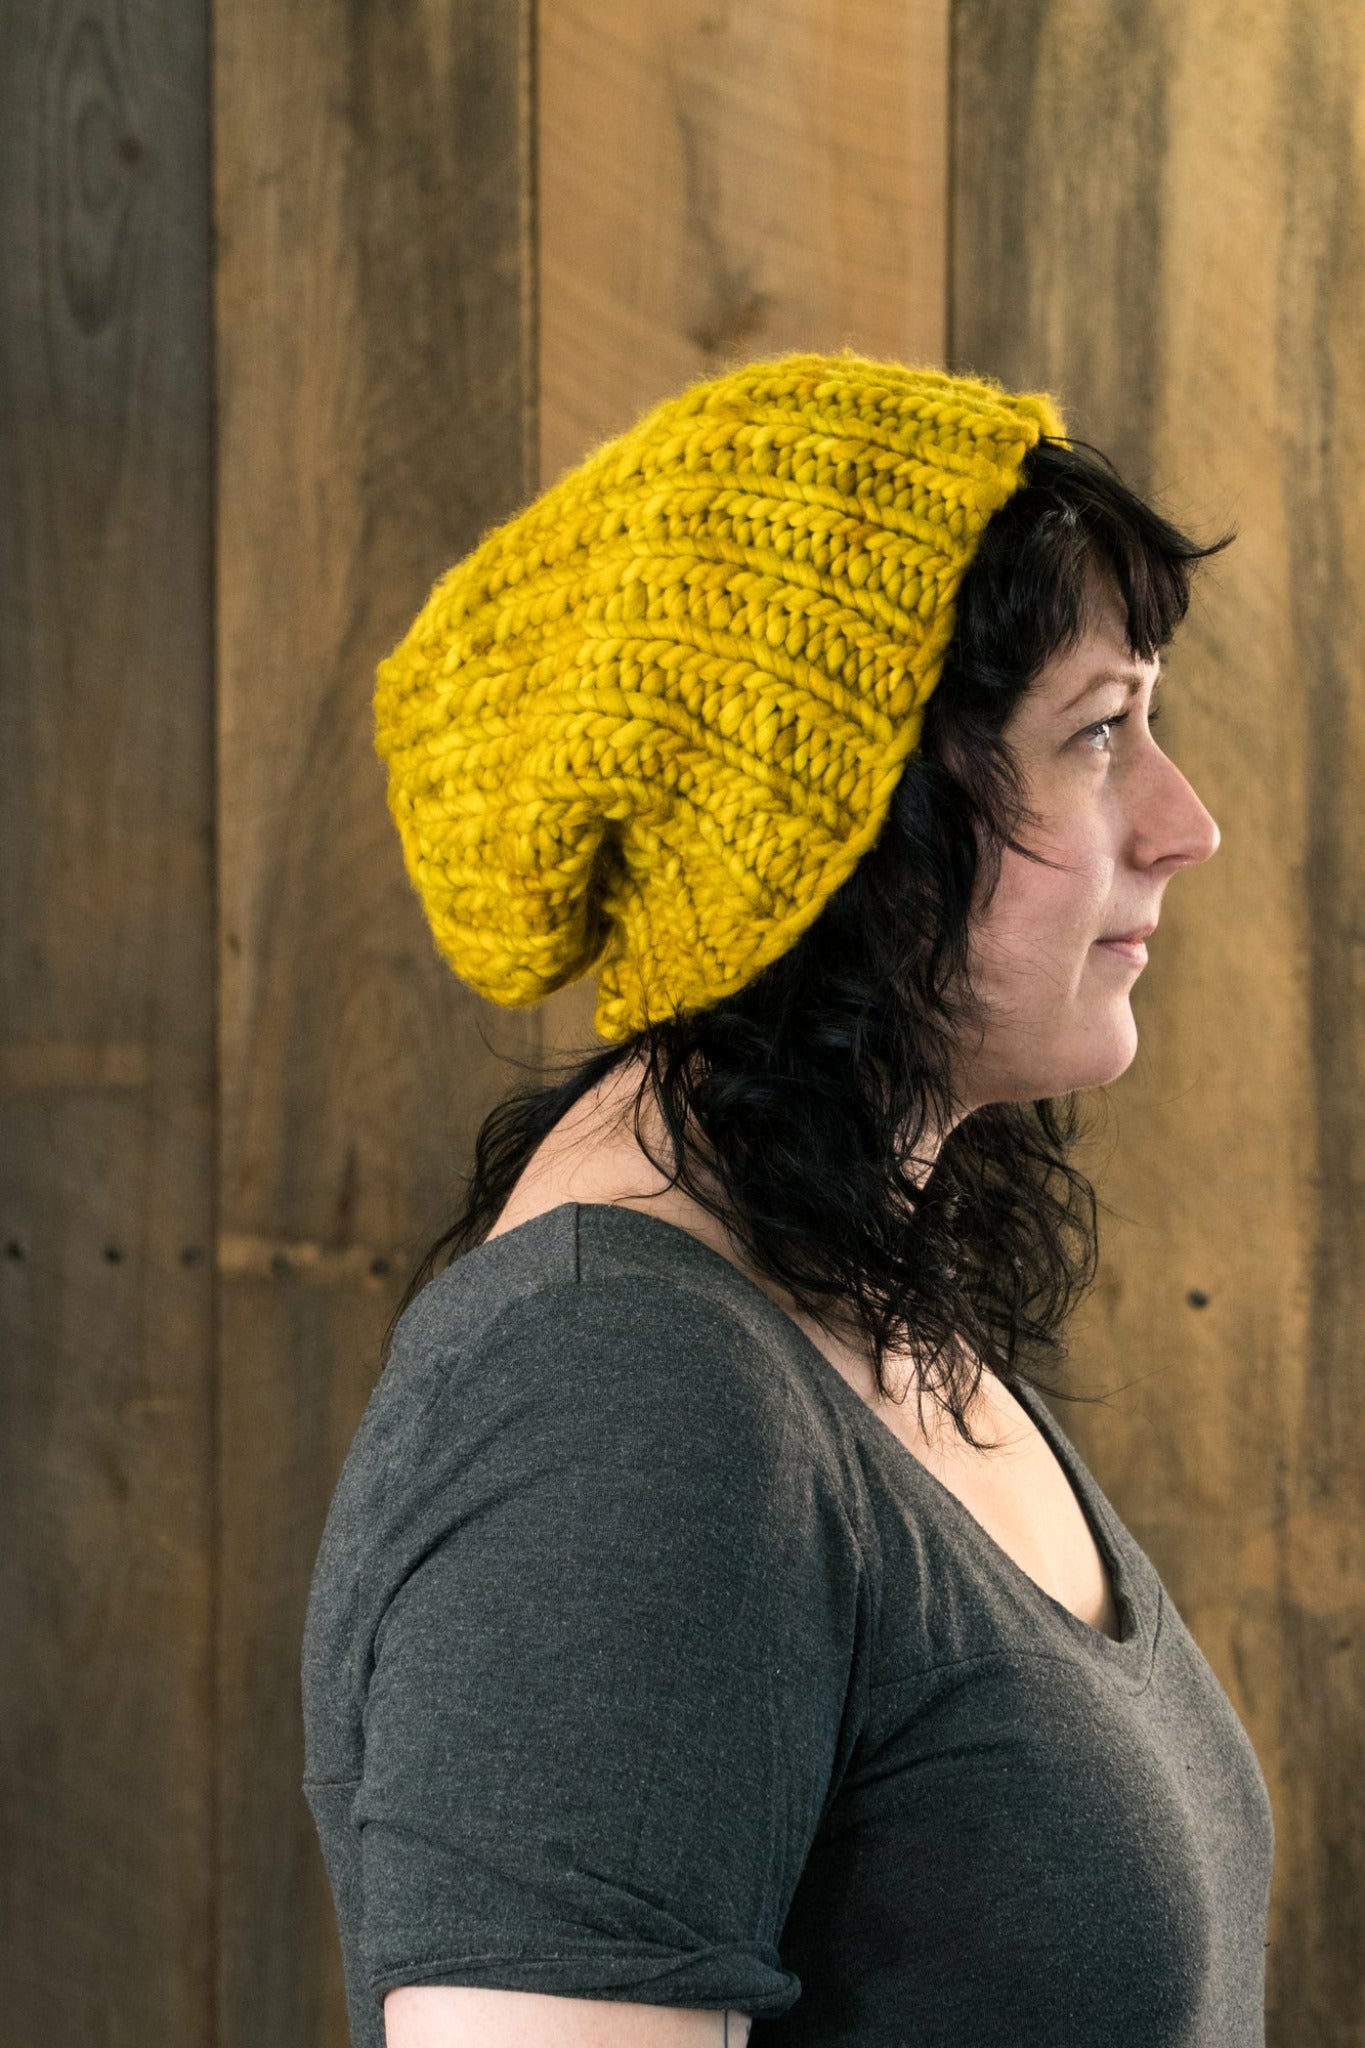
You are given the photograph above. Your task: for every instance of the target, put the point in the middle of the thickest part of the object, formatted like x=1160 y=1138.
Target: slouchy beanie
x=652 y=722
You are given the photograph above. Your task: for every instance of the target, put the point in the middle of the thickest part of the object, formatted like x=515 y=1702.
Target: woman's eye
x=1119 y=718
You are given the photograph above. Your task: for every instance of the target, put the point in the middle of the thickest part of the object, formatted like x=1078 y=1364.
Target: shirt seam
x=506 y=1955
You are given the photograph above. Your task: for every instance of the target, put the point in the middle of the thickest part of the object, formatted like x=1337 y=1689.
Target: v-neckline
x=1034 y=1407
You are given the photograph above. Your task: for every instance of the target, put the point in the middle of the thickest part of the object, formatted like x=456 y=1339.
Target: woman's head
x=883 y=1117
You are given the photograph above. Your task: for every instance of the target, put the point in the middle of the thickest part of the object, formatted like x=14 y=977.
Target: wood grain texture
x=375 y=415
x=718 y=181
x=1158 y=215
x=106 y=1025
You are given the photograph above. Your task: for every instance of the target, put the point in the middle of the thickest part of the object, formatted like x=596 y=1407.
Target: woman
x=668 y=1673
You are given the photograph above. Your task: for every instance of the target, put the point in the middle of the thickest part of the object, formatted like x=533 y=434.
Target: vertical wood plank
x=376 y=413
x=1158 y=213
x=718 y=181
x=106 y=1025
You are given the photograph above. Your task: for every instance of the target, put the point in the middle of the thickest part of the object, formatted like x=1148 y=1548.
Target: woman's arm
x=450 y=2016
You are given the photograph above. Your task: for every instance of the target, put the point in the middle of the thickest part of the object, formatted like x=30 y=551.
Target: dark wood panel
x=1158 y=214
x=376 y=411
x=106 y=1025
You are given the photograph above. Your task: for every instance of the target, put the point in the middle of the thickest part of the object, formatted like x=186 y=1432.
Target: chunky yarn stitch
x=653 y=721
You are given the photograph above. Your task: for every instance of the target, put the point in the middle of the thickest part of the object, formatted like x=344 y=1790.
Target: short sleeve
x=614 y=1662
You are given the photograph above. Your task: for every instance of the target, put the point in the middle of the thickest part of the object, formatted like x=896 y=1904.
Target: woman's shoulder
x=589 y=1300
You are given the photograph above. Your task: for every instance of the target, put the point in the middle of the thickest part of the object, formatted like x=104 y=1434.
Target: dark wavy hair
x=795 y=1108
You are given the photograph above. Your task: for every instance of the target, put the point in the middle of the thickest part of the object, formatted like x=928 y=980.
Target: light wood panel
x=718 y=181
x=106 y=1025
x=1158 y=214
x=376 y=412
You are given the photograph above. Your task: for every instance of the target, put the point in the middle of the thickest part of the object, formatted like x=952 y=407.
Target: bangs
x=1072 y=528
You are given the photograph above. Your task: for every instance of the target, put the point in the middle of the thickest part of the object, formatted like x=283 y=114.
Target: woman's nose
x=1176 y=824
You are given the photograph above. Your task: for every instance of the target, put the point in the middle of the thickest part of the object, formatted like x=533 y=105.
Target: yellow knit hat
x=652 y=722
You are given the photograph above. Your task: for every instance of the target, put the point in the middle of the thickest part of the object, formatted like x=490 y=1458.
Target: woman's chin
x=1072 y=1077
x=1092 y=1060
x=1113 y=1066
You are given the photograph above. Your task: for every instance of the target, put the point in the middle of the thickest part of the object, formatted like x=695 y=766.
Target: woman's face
x=1121 y=819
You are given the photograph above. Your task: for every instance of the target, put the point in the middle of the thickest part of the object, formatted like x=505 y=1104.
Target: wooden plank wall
x=106 y=1038
x=1158 y=213
x=456 y=245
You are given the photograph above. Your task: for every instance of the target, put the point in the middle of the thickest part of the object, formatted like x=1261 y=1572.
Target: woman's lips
x=1134 y=950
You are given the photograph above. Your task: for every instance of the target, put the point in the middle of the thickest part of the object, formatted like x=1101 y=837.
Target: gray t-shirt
x=644 y=1662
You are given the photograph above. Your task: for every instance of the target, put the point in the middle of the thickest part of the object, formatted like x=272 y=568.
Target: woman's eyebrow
x=1132 y=677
